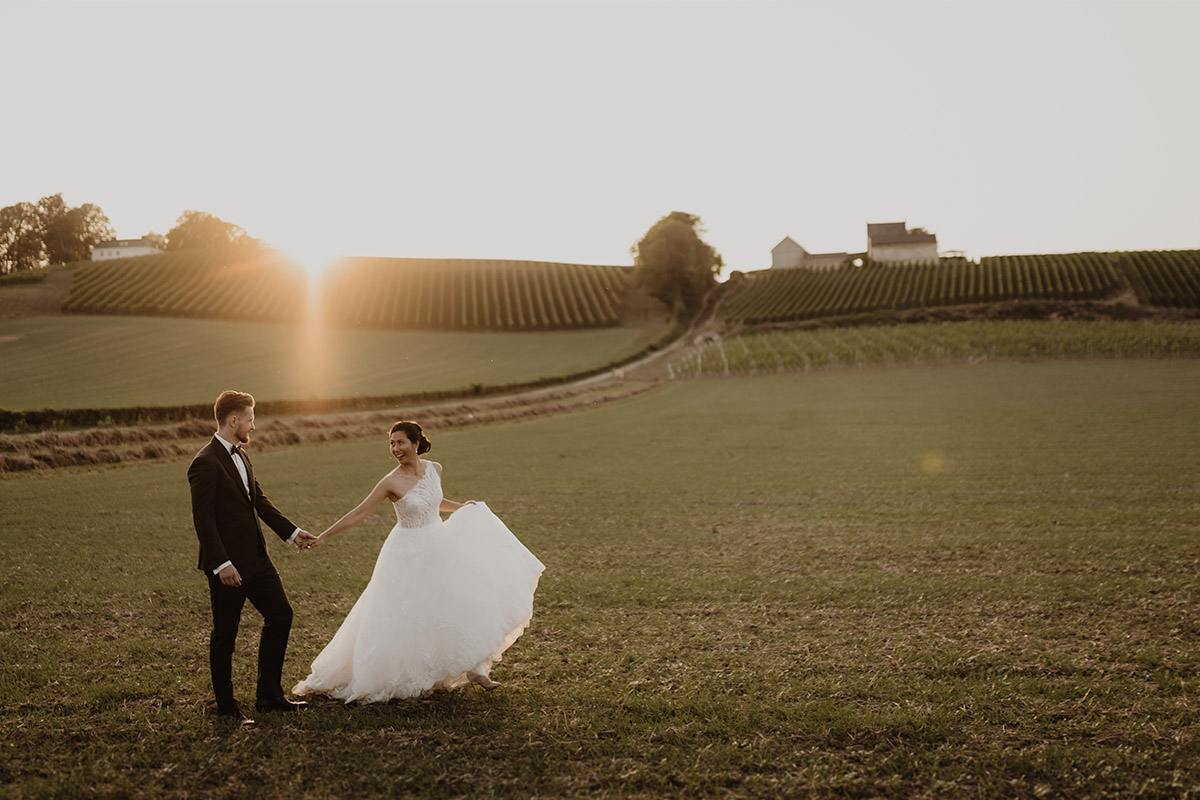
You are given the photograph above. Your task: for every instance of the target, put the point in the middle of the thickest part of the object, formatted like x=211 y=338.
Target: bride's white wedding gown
x=446 y=599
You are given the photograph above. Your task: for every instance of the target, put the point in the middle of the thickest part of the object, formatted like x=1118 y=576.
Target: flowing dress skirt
x=445 y=600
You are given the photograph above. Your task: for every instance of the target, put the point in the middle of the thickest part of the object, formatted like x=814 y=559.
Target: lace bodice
x=419 y=506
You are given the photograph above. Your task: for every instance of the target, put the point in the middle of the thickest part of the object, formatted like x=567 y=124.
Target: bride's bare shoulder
x=395 y=485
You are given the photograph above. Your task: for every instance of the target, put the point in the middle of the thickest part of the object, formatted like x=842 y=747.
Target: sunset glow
x=508 y=130
x=315 y=256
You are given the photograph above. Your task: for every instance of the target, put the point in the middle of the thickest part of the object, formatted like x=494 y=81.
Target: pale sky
x=561 y=131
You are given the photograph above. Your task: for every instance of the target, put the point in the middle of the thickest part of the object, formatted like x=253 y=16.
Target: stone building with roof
x=896 y=243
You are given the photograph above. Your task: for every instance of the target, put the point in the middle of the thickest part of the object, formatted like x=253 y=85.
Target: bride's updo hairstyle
x=415 y=435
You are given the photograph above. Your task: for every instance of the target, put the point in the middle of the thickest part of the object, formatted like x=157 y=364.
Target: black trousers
x=265 y=592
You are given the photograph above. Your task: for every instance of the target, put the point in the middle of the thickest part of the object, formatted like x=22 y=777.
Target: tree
x=156 y=239
x=201 y=229
x=69 y=233
x=21 y=245
x=674 y=265
x=49 y=232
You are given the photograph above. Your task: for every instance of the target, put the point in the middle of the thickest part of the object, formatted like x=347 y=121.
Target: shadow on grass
x=467 y=709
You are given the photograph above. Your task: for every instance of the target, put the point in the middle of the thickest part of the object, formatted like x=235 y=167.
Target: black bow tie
x=237 y=448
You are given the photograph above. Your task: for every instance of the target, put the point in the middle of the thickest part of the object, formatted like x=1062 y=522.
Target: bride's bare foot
x=483 y=681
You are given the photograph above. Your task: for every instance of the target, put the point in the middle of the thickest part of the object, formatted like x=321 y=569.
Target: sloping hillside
x=1169 y=279
x=396 y=293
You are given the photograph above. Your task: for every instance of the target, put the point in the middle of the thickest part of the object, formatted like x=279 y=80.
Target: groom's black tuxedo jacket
x=226 y=518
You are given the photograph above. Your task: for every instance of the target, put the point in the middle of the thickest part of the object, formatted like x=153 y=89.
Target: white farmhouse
x=787 y=254
x=894 y=243
x=124 y=248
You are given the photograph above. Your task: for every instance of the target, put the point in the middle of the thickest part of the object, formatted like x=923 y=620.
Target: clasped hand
x=305 y=540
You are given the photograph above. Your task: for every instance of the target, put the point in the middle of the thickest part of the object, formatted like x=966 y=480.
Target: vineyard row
x=450 y=294
x=1160 y=278
x=430 y=294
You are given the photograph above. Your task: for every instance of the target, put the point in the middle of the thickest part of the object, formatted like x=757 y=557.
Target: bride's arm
x=356 y=514
x=449 y=505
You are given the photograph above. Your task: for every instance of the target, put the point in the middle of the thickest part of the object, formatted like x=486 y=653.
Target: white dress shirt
x=241 y=468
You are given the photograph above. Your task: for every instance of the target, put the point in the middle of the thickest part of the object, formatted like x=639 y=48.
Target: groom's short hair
x=230 y=401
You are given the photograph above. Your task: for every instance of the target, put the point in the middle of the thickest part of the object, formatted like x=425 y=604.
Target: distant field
x=498 y=295
x=1159 y=278
x=441 y=294
x=938 y=343
x=966 y=581
x=103 y=361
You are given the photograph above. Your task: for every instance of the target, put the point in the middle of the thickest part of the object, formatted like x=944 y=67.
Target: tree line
x=50 y=232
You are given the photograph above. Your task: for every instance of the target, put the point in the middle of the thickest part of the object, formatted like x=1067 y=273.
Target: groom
x=227 y=504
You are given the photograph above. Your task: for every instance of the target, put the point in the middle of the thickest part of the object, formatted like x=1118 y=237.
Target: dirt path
x=53 y=449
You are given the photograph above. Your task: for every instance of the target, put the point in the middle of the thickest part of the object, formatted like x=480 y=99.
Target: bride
x=446 y=599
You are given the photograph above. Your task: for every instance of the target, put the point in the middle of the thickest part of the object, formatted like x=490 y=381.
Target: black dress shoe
x=234 y=716
x=279 y=704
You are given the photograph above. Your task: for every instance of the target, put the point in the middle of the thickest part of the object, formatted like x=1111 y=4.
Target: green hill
x=1169 y=279
x=972 y=342
x=464 y=294
x=75 y=362
x=395 y=293
x=489 y=295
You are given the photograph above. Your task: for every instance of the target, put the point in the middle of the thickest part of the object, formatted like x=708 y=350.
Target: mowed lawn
x=943 y=582
x=108 y=362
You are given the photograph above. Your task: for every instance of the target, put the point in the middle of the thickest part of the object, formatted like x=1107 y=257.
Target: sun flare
x=311 y=253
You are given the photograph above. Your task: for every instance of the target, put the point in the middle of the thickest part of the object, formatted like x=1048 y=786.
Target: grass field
x=940 y=582
x=937 y=343
x=106 y=362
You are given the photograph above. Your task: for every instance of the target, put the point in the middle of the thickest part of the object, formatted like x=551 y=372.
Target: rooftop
x=896 y=233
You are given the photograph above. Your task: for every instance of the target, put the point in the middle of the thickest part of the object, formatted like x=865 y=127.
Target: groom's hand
x=304 y=540
x=230 y=576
